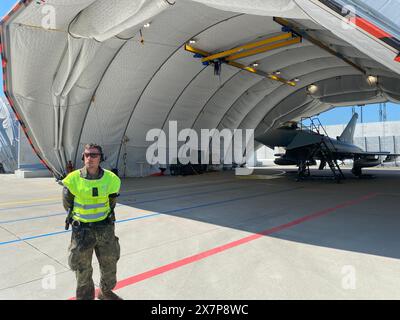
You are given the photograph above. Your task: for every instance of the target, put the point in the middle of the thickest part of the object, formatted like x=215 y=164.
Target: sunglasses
x=92 y=155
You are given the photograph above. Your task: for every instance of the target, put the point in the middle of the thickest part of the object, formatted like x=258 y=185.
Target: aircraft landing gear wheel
x=356 y=171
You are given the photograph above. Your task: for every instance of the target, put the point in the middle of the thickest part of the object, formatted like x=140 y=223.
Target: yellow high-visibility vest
x=87 y=206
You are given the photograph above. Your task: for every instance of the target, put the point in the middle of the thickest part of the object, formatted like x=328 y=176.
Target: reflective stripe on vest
x=89 y=216
x=91 y=212
x=89 y=206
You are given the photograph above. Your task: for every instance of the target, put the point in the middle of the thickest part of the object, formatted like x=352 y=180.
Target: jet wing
x=390 y=157
x=378 y=153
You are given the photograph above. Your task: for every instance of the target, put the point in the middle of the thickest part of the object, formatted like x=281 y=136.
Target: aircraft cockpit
x=292 y=125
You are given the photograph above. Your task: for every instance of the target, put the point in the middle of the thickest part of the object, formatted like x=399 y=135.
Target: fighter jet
x=303 y=146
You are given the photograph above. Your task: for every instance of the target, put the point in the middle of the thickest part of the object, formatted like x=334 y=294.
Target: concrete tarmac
x=216 y=236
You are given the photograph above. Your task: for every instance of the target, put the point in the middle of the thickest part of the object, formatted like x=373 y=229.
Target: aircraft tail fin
x=348 y=133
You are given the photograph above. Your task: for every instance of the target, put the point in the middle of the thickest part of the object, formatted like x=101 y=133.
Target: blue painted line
x=186 y=195
x=126 y=202
x=68 y=231
x=213 y=203
x=157 y=214
x=34 y=237
x=140 y=217
x=174 y=188
x=33 y=218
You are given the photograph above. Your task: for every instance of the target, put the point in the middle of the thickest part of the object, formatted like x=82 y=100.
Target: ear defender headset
x=102 y=158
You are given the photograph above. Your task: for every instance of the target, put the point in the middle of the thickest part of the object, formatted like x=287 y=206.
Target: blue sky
x=6 y=5
x=335 y=116
x=370 y=114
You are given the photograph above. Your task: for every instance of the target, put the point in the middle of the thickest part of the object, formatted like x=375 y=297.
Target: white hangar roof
x=79 y=71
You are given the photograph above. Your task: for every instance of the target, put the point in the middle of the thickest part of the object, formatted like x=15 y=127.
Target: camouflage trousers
x=102 y=240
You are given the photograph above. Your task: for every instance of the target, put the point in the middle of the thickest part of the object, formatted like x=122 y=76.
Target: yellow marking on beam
x=241 y=66
x=263 y=49
x=263 y=74
x=195 y=50
x=275 y=78
x=247 y=47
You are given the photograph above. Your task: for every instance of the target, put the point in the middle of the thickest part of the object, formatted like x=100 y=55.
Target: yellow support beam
x=261 y=73
x=195 y=50
x=248 y=46
x=241 y=66
x=263 y=49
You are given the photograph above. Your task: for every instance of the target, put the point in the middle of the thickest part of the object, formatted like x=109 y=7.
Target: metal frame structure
x=247 y=50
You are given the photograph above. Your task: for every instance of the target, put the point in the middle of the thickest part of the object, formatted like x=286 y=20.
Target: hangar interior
x=109 y=71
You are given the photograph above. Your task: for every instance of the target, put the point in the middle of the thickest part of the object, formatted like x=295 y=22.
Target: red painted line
x=16 y=8
x=5 y=19
x=370 y=28
x=174 y=265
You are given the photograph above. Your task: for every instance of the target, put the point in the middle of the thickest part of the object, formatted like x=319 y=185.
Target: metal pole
x=384 y=112
x=19 y=147
x=394 y=150
x=379 y=141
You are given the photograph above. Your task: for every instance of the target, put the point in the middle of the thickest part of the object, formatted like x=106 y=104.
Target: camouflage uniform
x=98 y=237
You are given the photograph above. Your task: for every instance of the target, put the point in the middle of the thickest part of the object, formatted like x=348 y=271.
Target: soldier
x=90 y=196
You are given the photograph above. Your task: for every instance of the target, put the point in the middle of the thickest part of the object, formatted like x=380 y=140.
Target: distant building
x=16 y=154
x=374 y=136
x=8 y=138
